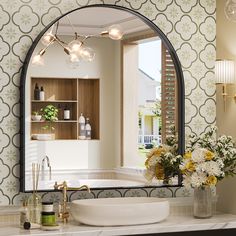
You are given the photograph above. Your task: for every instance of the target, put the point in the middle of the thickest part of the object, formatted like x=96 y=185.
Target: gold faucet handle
x=60 y=186
x=83 y=187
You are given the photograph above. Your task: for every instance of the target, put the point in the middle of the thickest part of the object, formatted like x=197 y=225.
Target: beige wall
x=226 y=121
x=106 y=67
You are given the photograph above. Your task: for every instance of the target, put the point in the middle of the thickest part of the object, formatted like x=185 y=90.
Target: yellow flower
x=211 y=180
x=158 y=151
x=188 y=155
x=159 y=171
x=209 y=155
x=146 y=162
x=190 y=166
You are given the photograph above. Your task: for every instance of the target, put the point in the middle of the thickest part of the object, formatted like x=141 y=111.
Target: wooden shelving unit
x=79 y=95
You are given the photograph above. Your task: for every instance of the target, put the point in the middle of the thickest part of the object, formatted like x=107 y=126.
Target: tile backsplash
x=189 y=25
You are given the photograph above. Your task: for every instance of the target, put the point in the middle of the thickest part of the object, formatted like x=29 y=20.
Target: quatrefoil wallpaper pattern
x=190 y=25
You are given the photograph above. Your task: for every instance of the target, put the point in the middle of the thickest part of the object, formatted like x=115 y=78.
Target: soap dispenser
x=82 y=131
x=36 y=92
x=88 y=129
x=41 y=94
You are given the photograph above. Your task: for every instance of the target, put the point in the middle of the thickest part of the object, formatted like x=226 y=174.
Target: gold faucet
x=63 y=212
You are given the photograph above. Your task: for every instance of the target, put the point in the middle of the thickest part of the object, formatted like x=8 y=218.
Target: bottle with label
x=66 y=113
x=36 y=92
x=88 y=129
x=82 y=131
x=41 y=94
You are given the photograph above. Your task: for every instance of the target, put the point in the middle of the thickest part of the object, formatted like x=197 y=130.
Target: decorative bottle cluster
x=39 y=94
x=84 y=127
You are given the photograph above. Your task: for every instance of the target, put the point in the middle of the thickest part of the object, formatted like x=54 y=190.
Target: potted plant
x=50 y=115
x=36 y=116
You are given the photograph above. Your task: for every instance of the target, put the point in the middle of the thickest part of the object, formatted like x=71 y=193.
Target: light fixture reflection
x=77 y=49
x=115 y=32
x=47 y=38
x=87 y=54
x=75 y=46
x=230 y=10
x=73 y=58
x=38 y=59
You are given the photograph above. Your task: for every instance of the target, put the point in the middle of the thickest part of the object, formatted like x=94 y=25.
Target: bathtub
x=92 y=183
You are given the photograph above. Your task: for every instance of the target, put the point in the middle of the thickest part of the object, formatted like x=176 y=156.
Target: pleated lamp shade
x=225 y=72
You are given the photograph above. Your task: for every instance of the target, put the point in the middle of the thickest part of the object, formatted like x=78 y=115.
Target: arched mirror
x=100 y=87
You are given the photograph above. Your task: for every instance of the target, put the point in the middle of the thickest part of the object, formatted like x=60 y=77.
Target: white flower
x=201 y=167
x=213 y=168
x=187 y=181
x=198 y=179
x=198 y=155
x=220 y=163
x=149 y=175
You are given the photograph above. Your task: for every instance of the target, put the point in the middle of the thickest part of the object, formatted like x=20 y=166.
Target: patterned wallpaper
x=190 y=26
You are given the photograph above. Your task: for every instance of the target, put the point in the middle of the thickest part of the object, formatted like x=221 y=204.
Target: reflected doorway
x=149 y=97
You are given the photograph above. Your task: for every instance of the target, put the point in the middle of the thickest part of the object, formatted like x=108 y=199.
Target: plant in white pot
x=36 y=116
x=49 y=115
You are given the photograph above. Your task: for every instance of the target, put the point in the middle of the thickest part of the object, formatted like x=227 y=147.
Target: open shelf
x=53 y=101
x=76 y=94
x=61 y=130
x=58 y=121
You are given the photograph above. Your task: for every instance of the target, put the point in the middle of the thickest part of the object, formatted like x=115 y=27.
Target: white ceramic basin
x=120 y=211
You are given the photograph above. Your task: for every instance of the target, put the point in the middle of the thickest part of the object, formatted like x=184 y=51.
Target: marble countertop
x=172 y=224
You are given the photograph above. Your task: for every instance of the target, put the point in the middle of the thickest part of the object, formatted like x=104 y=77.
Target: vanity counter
x=172 y=226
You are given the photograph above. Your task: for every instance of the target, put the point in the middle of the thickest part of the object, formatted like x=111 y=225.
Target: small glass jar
x=48 y=218
x=47 y=206
x=202 y=205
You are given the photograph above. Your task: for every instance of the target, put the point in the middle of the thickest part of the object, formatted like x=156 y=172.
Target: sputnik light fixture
x=225 y=75
x=76 y=49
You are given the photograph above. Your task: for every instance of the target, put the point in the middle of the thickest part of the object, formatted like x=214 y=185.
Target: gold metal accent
x=224 y=94
x=104 y=33
x=63 y=212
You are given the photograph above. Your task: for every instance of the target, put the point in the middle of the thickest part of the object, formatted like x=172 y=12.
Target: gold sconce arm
x=63 y=212
x=225 y=95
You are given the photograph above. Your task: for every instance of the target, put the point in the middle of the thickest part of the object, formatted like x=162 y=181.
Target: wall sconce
x=76 y=49
x=225 y=75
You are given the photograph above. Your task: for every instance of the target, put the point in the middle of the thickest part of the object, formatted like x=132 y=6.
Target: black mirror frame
x=179 y=76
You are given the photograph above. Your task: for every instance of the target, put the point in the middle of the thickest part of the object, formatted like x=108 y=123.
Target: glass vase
x=202 y=205
x=35 y=208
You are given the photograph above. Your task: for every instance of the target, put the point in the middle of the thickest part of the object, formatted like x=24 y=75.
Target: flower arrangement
x=163 y=161
x=208 y=159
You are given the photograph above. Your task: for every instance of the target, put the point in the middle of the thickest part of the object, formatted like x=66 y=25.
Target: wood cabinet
x=76 y=94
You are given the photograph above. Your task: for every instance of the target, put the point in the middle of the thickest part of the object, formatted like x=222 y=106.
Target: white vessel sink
x=120 y=211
